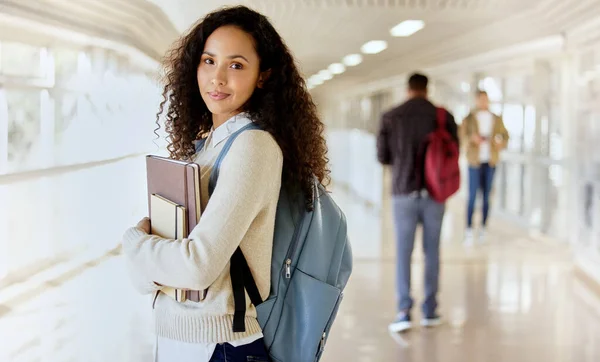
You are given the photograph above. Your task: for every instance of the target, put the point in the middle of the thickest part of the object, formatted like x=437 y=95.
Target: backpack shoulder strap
x=242 y=281
x=441 y=117
x=199 y=144
x=214 y=175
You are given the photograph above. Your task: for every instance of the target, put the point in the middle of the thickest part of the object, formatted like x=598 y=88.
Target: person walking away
x=402 y=134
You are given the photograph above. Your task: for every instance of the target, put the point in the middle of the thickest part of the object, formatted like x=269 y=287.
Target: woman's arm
x=250 y=176
x=464 y=132
x=140 y=283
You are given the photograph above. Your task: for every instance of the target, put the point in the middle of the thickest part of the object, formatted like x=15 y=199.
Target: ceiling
x=321 y=32
x=136 y=23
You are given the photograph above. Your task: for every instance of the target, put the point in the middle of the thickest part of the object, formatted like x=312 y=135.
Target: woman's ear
x=262 y=78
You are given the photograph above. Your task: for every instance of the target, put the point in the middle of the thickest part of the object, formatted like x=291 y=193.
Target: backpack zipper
x=288 y=268
x=322 y=344
x=328 y=325
x=295 y=238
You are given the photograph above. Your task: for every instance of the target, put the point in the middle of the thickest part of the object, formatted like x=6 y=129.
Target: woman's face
x=228 y=73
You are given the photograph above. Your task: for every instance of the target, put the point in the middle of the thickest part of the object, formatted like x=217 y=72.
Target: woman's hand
x=134 y=235
x=144 y=225
x=476 y=139
x=500 y=142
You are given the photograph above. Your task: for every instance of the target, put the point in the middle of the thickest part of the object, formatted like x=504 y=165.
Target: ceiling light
x=374 y=47
x=337 y=68
x=325 y=75
x=315 y=80
x=407 y=28
x=352 y=60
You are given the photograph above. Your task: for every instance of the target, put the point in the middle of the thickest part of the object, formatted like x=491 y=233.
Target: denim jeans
x=408 y=212
x=253 y=352
x=480 y=178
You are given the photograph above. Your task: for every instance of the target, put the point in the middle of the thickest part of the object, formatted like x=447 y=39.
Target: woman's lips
x=218 y=96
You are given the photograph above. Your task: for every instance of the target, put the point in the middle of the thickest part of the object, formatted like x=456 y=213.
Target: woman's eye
x=236 y=66
x=208 y=61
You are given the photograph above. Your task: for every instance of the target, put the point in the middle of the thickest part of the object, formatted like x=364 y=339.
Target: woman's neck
x=220 y=119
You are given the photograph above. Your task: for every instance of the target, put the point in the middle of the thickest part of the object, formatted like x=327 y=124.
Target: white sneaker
x=469 y=237
x=432 y=321
x=401 y=324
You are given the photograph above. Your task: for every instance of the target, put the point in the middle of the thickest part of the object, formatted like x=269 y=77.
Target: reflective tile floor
x=512 y=298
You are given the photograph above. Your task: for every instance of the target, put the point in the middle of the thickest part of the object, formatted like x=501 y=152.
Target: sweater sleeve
x=140 y=283
x=249 y=178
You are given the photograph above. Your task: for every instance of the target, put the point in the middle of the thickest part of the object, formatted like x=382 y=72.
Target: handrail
x=59 y=170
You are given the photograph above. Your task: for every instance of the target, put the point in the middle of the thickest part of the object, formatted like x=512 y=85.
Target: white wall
x=353 y=160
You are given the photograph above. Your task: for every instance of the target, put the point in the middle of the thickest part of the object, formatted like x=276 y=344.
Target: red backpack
x=441 y=170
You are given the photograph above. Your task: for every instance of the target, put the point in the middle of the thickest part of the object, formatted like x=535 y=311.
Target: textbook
x=177 y=182
x=167 y=219
x=174 y=206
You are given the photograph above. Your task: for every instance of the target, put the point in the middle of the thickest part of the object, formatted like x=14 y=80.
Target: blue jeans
x=408 y=212
x=253 y=352
x=480 y=178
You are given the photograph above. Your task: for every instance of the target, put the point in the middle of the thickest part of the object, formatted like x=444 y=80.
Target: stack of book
x=173 y=204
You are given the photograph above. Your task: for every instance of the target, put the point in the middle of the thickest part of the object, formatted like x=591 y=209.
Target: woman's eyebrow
x=229 y=57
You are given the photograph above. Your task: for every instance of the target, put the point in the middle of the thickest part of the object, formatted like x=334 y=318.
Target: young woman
x=485 y=136
x=230 y=70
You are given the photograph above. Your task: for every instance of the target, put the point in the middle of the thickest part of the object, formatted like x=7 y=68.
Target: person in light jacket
x=484 y=136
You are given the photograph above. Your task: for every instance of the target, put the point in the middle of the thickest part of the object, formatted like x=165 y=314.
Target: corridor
x=81 y=82
x=513 y=298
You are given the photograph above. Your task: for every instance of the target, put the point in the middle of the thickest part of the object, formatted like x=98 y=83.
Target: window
x=513 y=121
x=23 y=128
x=461 y=111
x=514 y=181
x=529 y=128
x=22 y=60
x=65 y=66
x=496 y=108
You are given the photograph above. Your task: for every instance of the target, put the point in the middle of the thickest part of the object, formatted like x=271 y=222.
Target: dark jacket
x=403 y=132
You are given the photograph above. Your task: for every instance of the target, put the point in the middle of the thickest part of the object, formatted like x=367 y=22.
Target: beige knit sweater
x=241 y=212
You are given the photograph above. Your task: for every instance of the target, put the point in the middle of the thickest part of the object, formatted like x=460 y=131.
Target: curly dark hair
x=282 y=106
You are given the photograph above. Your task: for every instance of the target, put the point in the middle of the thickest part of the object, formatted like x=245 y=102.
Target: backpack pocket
x=328 y=327
x=263 y=310
x=307 y=315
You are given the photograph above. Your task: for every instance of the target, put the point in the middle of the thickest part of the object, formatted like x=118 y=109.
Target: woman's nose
x=219 y=78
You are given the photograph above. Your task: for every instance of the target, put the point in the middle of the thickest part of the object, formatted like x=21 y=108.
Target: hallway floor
x=513 y=298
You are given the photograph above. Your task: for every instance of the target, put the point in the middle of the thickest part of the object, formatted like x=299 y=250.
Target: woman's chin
x=218 y=110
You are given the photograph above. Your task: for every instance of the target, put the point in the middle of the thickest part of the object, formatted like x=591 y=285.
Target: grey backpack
x=312 y=261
